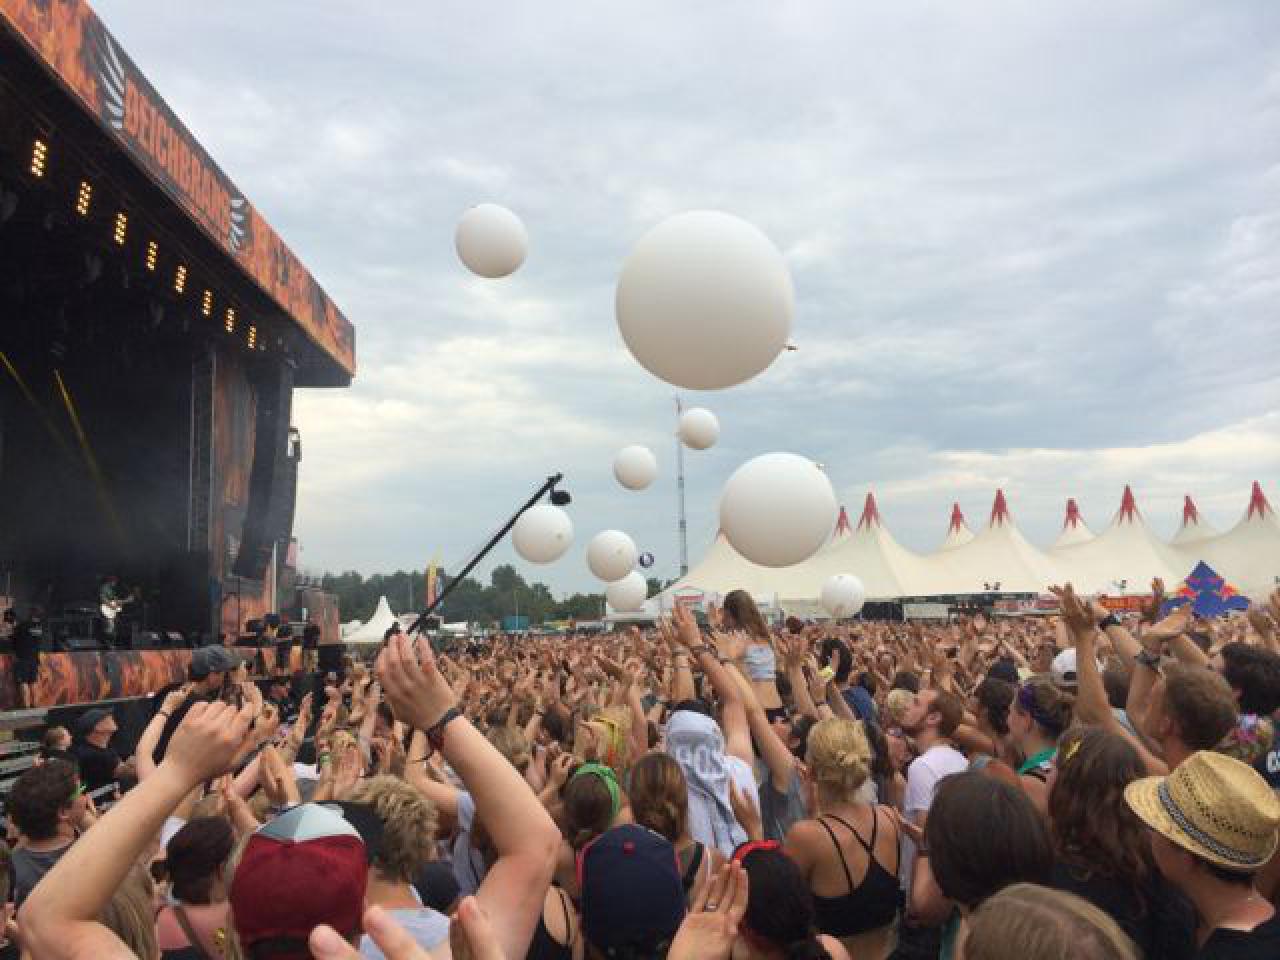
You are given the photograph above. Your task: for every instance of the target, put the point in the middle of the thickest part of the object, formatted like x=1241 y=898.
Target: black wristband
x=1110 y=620
x=435 y=733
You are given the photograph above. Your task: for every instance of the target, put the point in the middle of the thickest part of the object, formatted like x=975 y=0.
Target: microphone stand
x=547 y=487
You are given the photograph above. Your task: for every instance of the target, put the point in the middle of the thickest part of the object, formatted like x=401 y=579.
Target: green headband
x=610 y=780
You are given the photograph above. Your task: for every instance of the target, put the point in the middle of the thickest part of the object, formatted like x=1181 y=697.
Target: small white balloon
x=491 y=241
x=699 y=429
x=542 y=534
x=611 y=555
x=705 y=301
x=843 y=595
x=635 y=467
x=777 y=509
x=628 y=594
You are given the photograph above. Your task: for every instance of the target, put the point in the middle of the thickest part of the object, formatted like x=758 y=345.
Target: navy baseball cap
x=632 y=897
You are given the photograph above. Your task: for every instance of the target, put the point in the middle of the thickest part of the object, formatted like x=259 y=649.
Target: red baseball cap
x=304 y=868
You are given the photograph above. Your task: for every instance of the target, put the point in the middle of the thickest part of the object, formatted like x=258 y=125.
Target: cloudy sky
x=1035 y=246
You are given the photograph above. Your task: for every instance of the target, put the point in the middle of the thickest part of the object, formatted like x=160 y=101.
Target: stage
x=154 y=329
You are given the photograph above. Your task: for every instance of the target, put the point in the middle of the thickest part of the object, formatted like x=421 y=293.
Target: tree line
x=507 y=594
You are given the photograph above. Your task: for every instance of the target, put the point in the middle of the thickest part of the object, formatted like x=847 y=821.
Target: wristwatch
x=1148 y=659
x=1110 y=620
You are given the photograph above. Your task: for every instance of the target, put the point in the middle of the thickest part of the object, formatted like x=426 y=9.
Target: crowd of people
x=1036 y=788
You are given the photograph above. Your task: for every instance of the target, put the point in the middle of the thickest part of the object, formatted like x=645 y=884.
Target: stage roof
x=68 y=40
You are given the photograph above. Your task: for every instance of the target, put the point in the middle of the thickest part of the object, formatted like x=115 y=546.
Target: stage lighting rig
x=206 y=303
x=84 y=197
x=180 y=280
x=122 y=225
x=39 y=157
x=153 y=254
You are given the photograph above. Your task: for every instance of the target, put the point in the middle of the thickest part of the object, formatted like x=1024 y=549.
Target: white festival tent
x=1248 y=555
x=1194 y=528
x=1123 y=559
x=375 y=627
x=958 y=532
x=1074 y=529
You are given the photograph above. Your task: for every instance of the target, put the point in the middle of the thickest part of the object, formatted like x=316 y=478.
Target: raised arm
x=733 y=714
x=59 y=919
x=513 y=890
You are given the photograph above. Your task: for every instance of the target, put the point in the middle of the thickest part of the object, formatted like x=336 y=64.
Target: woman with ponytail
x=660 y=801
x=848 y=854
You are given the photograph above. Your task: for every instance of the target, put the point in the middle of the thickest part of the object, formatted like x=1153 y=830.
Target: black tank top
x=546 y=947
x=869 y=906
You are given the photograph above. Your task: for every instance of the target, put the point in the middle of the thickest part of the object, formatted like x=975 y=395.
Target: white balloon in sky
x=491 y=241
x=777 y=509
x=542 y=534
x=635 y=467
x=705 y=300
x=611 y=555
x=628 y=594
x=699 y=429
x=843 y=595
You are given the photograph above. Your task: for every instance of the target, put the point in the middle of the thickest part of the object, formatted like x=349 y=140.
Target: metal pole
x=683 y=527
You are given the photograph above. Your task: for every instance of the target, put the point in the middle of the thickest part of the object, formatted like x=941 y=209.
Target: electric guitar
x=111 y=609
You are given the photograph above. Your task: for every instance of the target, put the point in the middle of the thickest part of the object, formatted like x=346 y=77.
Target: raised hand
x=1075 y=612
x=711 y=925
x=745 y=812
x=415 y=688
x=208 y=741
x=1151 y=608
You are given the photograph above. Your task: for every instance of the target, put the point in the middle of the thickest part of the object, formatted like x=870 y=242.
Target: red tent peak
x=1000 y=511
x=1190 y=515
x=842 y=522
x=1128 y=506
x=1258 y=503
x=957 y=519
x=870 y=513
x=1073 y=515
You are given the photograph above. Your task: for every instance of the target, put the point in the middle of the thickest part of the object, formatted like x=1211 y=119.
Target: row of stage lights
x=119 y=233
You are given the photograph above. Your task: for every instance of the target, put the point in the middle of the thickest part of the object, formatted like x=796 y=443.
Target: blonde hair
x=838 y=756
x=1025 y=920
x=130 y=914
x=610 y=742
x=512 y=744
x=408 y=826
x=897 y=702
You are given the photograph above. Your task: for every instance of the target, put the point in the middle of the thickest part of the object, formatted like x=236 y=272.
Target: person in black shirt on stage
x=26 y=653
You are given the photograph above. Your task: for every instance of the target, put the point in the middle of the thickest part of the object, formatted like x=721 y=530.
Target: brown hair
x=741 y=613
x=1025 y=920
x=659 y=795
x=195 y=854
x=408 y=826
x=1092 y=826
x=588 y=810
x=984 y=835
x=1200 y=704
x=950 y=708
x=1050 y=708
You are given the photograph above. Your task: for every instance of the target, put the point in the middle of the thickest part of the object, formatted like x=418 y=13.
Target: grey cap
x=212 y=659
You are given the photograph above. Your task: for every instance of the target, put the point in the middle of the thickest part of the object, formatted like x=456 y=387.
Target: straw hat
x=1218 y=808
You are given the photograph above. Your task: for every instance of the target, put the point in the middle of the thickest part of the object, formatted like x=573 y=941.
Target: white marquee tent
x=375 y=627
x=1123 y=559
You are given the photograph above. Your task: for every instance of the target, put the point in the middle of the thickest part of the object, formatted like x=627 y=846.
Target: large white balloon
x=635 y=467
x=699 y=428
x=542 y=534
x=777 y=509
x=491 y=240
x=843 y=595
x=611 y=555
x=628 y=594
x=705 y=300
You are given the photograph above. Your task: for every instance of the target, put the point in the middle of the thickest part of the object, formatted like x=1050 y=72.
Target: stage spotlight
x=230 y=323
x=83 y=198
x=122 y=224
x=206 y=303
x=153 y=252
x=180 y=280
x=253 y=336
x=39 y=155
